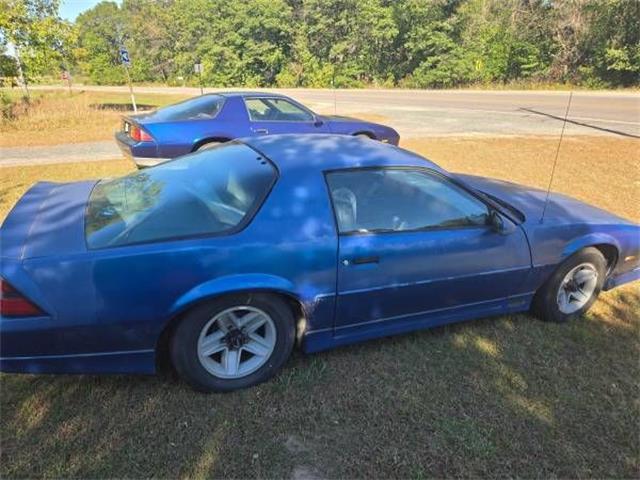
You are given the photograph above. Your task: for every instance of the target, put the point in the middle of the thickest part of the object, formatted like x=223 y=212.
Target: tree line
x=342 y=43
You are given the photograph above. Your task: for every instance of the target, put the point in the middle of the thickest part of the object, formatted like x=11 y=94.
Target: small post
x=133 y=98
x=126 y=63
x=197 y=67
x=67 y=76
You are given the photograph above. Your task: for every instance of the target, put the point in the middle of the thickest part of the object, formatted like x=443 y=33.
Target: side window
x=276 y=109
x=395 y=200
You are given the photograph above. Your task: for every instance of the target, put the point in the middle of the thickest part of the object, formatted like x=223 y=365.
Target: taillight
x=14 y=304
x=139 y=135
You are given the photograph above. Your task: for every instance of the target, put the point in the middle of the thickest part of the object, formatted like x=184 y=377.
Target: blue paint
x=107 y=308
x=174 y=137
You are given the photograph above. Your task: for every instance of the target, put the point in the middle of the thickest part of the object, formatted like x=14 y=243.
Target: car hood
x=530 y=201
x=47 y=220
x=340 y=119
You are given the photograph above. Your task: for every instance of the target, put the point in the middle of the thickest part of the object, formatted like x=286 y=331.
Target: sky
x=70 y=9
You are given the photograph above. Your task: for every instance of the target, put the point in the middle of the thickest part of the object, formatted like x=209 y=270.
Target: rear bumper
x=616 y=281
x=140 y=153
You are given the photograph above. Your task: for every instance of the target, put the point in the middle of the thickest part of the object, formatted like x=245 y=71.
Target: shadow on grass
x=507 y=396
x=121 y=107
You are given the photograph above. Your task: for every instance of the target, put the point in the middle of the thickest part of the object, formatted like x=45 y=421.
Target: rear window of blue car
x=203 y=107
x=215 y=191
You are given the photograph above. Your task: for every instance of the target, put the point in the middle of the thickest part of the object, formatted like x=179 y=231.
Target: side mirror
x=318 y=123
x=499 y=224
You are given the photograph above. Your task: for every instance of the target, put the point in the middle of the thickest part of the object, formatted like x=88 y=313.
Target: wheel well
x=199 y=143
x=610 y=254
x=163 y=357
x=368 y=134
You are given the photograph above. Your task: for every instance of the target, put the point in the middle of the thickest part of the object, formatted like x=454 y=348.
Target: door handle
x=361 y=260
x=262 y=131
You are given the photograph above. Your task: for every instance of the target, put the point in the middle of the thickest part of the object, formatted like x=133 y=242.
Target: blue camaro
x=203 y=122
x=222 y=260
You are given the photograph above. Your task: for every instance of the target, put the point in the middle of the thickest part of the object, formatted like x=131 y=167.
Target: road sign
x=197 y=68
x=124 y=56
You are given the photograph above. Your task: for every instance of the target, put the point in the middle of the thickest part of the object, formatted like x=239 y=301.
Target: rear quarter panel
x=121 y=298
x=179 y=138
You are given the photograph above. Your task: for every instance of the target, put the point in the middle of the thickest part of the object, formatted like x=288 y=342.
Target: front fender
x=587 y=241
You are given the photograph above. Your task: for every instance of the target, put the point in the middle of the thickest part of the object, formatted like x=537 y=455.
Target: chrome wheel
x=577 y=288
x=236 y=342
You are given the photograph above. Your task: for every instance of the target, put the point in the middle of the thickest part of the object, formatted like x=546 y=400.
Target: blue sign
x=124 y=56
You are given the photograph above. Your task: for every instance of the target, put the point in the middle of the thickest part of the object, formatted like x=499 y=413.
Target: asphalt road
x=416 y=113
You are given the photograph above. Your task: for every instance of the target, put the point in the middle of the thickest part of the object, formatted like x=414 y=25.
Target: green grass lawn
x=498 y=397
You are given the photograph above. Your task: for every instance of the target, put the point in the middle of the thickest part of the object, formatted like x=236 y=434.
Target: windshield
x=203 y=107
x=211 y=192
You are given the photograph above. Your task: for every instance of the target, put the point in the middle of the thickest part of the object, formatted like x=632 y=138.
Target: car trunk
x=47 y=220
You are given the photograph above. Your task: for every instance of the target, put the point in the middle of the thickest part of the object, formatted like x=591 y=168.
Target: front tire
x=233 y=342
x=572 y=288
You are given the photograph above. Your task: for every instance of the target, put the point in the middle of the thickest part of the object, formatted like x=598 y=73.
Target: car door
x=414 y=243
x=274 y=115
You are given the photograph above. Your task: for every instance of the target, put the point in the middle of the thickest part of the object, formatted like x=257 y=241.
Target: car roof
x=247 y=94
x=332 y=152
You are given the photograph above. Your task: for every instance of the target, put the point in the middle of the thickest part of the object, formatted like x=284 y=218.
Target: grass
x=56 y=118
x=604 y=171
x=499 y=397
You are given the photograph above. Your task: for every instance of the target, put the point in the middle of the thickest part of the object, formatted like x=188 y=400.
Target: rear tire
x=364 y=135
x=207 y=146
x=573 y=287
x=241 y=355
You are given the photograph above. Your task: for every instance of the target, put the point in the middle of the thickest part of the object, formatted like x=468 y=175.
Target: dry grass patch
x=603 y=171
x=15 y=181
x=56 y=118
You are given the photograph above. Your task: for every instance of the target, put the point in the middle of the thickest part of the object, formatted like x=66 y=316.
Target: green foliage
x=41 y=38
x=345 y=43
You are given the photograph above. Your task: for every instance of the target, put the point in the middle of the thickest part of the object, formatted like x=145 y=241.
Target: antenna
x=555 y=162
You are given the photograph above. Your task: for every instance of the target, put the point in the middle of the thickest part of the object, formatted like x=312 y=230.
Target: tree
x=43 y=41
x=346 y=43
x=101 y=32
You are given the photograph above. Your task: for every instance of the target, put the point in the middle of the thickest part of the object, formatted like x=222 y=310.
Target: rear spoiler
x=17 y=226
x=48 y=219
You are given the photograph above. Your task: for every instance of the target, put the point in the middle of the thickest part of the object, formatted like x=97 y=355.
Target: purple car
x=205 y=121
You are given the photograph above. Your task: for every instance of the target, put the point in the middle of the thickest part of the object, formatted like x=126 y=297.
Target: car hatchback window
x=394 y=200
x=203 y=107
x=210 y=192
x=276 y=109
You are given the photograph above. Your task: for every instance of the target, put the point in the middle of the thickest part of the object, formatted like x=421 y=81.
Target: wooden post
x=133 y=99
